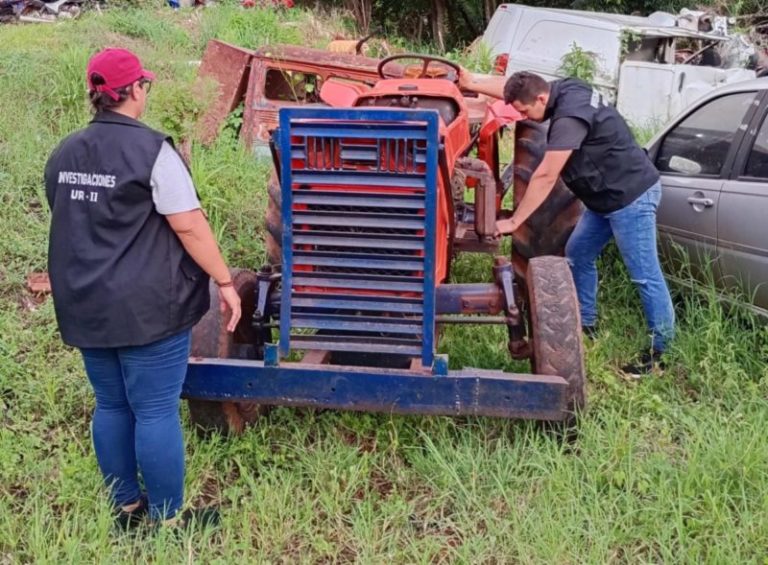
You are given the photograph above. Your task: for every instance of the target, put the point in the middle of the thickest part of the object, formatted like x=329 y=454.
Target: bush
x=579 y=63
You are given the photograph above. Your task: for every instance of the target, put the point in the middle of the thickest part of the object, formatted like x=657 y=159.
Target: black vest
x=610 y=170
x=119 y=274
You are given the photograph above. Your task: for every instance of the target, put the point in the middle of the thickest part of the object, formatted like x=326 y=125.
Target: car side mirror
x=685 y=166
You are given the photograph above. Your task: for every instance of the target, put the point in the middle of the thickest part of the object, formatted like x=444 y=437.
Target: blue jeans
x=136 y=424
x=634 y=228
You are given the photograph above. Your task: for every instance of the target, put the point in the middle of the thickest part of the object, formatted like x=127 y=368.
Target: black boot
x=129 y=521
x=590 y=332
x=644 y=364
x=198 y=518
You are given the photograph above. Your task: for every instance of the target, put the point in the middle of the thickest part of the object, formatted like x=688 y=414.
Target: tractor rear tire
x=273 y=222
x=555 y=322
x=210 y=338
x=547 y=230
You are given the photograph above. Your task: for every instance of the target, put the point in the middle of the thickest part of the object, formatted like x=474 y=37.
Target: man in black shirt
x=591 y=147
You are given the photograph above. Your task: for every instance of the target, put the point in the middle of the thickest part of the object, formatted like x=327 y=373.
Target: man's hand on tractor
x=490 y=85
x=465 y=79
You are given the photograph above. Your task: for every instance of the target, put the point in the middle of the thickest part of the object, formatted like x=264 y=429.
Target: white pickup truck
x=637 y=58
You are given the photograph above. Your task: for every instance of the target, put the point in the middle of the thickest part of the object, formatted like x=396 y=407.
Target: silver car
x=713 y=161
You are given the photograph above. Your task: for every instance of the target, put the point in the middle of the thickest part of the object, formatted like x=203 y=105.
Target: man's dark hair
x=524 y=87
x=101 y=101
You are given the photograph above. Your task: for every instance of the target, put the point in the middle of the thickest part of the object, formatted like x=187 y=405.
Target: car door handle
x=698 y=201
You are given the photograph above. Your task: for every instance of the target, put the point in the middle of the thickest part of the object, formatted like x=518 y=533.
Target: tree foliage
x=452 y=24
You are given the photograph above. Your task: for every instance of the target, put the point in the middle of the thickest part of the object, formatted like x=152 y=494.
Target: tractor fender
x=497 y=116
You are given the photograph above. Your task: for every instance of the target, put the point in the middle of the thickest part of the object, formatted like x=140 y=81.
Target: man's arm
x=565 y=136
x=490 y=85
x=541 y=185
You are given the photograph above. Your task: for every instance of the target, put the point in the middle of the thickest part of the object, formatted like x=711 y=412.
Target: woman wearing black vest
x=591 y=147
x=130 y=255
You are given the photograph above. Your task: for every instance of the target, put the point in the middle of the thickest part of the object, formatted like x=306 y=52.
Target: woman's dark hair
x=524 y=87
x=101 y=101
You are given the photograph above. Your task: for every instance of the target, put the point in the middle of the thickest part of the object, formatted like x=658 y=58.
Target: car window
x=757 y=164
x=699 y=144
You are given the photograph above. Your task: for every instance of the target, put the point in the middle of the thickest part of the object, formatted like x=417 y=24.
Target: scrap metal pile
x=39 y=11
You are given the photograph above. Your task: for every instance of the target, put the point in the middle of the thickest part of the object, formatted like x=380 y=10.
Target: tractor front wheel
x=210 y=338
x=556 y=326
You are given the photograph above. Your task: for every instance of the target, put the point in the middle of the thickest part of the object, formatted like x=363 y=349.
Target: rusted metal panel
x=478 y=298
x=260 y=116
x=317 y=58
x=468 y=241
x=486 y=196
x=38 y=283
x=229 y=66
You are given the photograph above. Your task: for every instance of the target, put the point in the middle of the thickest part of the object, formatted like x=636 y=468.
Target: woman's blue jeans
x=634 y=228
x=136 y=423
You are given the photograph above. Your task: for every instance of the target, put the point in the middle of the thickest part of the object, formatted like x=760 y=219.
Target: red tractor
x=375 y=191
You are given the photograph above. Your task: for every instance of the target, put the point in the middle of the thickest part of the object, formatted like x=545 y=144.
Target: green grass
x=671 y=469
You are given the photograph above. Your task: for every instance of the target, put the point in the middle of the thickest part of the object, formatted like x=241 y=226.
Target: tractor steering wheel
x=422 y=69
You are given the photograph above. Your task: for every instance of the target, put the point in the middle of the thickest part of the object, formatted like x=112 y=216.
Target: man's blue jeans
x=634 y=228
x=136 y=423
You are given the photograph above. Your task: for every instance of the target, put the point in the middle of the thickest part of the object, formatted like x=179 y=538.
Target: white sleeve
x=172 y=188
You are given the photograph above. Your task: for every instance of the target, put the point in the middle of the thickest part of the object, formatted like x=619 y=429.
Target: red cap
x=119 y=67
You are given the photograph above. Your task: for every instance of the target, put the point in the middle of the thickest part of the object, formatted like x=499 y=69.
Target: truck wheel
x=210 y=338
x=555 y=323
x=548 y=229
x=273 y=222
